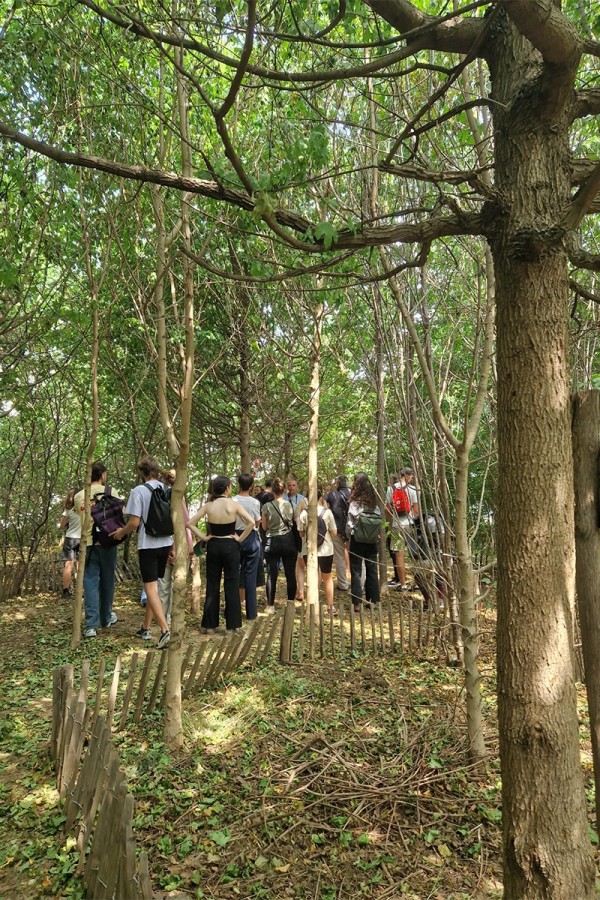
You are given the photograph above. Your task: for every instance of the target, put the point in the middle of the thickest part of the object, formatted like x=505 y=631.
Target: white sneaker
x=89 y=632
x=163 y=640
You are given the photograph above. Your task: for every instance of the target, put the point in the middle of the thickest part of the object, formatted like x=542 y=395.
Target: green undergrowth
x=322 y=780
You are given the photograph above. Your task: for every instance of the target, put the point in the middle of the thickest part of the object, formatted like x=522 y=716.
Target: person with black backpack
x=362 y=530
x=149 y=511
x=338 y=501
x=326 y=532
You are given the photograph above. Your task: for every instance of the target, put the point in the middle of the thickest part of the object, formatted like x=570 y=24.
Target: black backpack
x=159 y=522
x=321 y=529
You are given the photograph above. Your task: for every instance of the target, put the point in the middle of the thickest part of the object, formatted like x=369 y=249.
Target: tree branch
x=278 y=219
x=582 y=260
x=583 y=199
x=544 y=26
x=587 y=103
x=456 y=34
x=583 y=292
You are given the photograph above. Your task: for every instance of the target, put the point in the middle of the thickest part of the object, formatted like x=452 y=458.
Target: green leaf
x=326 y=232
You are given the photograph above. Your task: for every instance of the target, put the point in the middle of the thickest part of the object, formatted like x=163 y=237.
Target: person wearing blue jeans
x=100 y=564
x=251 y=548
x=99 y=587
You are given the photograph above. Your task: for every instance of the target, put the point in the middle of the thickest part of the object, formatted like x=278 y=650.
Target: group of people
x=243 y=535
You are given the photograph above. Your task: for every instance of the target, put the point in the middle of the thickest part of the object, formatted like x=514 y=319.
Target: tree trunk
x=312 y=568
x=586 y=454
x=468 y=612
x=547 y=852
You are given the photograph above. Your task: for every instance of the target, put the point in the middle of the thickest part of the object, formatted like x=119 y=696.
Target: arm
x=63 y=521
x=196 y=518
x=132 y=525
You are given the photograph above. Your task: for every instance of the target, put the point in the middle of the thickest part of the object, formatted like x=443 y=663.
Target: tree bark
x=547 y=852
x=586 y=456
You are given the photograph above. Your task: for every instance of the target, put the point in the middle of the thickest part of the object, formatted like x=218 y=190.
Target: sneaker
x=89 y=632
x=208 y=630
x=113 y=618
x=163 y=640
x=394 y=583
x=144 y=634
x=341 y=587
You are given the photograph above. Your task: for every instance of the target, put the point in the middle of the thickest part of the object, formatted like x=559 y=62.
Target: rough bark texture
x=586 y=455
x=547 y=851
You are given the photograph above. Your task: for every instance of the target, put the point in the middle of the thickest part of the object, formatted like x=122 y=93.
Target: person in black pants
x=277 y=517
x=362 y=498
x=222 y=553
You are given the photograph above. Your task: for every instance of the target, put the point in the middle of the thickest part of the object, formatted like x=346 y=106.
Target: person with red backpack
x=402 y=506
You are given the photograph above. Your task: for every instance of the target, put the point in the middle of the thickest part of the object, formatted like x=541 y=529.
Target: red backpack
x=401 y=501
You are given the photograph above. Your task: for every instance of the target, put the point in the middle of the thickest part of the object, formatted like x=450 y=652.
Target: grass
x=325 y=780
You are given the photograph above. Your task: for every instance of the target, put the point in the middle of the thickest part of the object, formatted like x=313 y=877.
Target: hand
x=117 y=535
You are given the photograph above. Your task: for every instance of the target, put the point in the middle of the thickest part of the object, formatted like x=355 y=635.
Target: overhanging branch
x=278 y=219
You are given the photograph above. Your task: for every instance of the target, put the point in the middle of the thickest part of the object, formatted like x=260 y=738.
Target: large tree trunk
x=547 y=850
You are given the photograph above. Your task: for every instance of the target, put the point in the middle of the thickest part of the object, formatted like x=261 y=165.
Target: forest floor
x=322 y=780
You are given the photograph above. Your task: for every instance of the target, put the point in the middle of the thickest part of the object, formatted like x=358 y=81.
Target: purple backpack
x=107 y=516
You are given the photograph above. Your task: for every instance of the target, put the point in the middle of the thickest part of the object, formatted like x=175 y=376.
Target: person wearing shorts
x=325 y=551
x=71 y=522
x=153 y=552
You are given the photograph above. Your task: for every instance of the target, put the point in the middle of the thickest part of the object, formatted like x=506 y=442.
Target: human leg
x=300 y=575
x=372 y=575
x=339 y=556
x=290 y=558
x=356 y=564
x=210 y=616
x=325 y=567
x=165 y=592
x=91 y=587
x=230 y=557
x=108 y=565
x=250 y=561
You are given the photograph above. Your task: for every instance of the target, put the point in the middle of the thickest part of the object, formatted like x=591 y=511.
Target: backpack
x=159 y=522
x=321 y=530
x=401 y=500
x=368 y=526
x=339 y=503
x=107 y=516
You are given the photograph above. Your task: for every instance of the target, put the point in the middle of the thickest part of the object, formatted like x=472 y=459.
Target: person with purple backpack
x=100 y=563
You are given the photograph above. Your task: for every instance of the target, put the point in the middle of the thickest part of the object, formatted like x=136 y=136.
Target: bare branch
x=587 y=103
x=350 y=239
x=583 y=199
x=582 y=260
x=456 y=34
x=543 y=24
x=583 y=292
x=447 y=176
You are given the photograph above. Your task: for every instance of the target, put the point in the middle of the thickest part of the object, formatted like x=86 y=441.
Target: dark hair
x=98 y=470
x=69 y=498
x=406 y=471
x=148 y=467
x=245 y=481
x=277 y=487
x=342 y=480
x=363 y=491
x=218 y=486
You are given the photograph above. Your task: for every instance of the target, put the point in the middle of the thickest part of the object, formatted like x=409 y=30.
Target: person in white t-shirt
x=153 y=552
x=325 y=550
x=250 y=549
x=70 y=521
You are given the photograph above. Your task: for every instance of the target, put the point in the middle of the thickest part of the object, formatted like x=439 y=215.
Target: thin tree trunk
x=312 y=569
x=586 y=454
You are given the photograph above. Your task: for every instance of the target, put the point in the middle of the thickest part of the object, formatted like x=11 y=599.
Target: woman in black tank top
x=222 y=554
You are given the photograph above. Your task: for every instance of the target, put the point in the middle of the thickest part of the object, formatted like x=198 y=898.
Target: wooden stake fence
x=397 y=624
x=97 y=804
